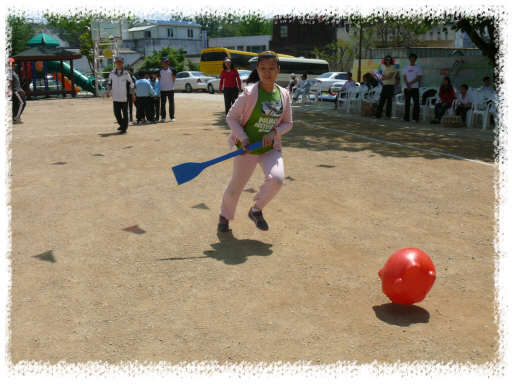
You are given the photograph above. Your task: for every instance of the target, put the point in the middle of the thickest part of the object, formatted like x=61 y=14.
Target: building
x=300 y=36
x=441 y=36
x=154 y=34
x=255 y=44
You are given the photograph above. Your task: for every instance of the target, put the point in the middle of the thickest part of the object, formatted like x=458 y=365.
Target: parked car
x=326 y=80
x=213 y=85
x=189 y=81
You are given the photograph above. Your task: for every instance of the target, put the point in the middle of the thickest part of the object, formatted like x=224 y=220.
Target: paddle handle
x=232 y=154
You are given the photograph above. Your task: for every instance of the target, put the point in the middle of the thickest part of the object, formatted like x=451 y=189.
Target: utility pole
x=360 y=52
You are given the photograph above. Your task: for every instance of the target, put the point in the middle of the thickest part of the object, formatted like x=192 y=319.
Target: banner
x=205 y=40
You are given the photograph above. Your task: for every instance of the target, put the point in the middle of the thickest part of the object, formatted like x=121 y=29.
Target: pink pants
x=271 y=163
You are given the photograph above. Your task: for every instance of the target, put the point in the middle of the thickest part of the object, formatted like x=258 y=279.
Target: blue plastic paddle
x=188 y=171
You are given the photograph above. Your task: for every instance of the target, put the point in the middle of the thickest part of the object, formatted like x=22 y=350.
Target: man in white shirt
x=487 y=85
x=117 y=82
x=465 y=101
x=343 y=91
x=167 y=79
x=412 y=74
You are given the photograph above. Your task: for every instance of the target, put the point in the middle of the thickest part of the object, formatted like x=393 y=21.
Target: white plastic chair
x=399 y=102
x=482 y=107
x=305 y=96
x=318 y=94
x=363 y=94
x=351 y=99
x=374 y=93
x=425 y=111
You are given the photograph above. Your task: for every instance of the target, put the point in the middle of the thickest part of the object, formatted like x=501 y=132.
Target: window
x=190 y=32
x=284 y=31
x=302 y=30
x=147 y=34
x=170 y=32
x=239 y=47
x=256 y=48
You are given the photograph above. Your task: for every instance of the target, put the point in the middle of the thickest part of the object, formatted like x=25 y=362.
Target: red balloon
x=407 y=276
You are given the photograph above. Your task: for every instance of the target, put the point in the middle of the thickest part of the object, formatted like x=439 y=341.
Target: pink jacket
x=242 y=110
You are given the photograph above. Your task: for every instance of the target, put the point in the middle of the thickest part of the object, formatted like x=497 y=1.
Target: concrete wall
x=434 y=69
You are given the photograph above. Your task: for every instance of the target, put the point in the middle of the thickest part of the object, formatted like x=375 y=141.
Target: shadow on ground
x=317 y=139
x=401 y=315
x=232 y=251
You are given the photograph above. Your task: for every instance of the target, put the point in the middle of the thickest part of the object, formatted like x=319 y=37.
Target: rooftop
x=173 y=22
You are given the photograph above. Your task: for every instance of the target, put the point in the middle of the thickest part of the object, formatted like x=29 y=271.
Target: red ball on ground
x=407 y=276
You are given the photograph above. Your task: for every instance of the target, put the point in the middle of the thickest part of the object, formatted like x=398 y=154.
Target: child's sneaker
x=258 y=219
x=223 y=224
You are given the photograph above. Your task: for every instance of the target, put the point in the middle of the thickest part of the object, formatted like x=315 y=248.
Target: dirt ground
x=306 y=290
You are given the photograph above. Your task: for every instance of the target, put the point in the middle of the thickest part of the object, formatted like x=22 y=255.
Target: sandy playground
x=84 y=289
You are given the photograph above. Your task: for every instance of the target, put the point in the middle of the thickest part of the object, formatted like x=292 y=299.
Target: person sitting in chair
x=343 y=91
x=487 y=85
x=465 y=102
x=302 y=88
x=292 y=84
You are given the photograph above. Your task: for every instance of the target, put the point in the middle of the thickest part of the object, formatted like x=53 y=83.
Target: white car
x=213 y=85
x=189 y=81
x=326 y=80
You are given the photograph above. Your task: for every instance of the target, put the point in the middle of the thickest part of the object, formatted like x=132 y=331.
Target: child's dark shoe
x=258 y=219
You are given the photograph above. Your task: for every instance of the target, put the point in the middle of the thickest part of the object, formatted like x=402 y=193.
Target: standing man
x=412 y=74
x=167 y=79
x=18 y=95
x=117 y=81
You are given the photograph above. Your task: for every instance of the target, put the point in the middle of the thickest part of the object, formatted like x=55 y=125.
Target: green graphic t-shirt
x=269 y=108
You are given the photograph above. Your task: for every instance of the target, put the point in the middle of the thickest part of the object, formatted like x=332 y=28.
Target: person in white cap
x=117 y=81
x=293 y=82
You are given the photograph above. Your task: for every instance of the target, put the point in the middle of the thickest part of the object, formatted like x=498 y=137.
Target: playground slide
x=86 y=83
x=67 y=82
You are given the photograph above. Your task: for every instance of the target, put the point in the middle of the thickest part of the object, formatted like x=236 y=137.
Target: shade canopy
x=43 y=39
x=45 y=53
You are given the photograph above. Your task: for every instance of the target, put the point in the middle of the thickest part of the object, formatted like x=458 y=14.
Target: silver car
x=326 y=80
x=189 y=81
x=213 y=85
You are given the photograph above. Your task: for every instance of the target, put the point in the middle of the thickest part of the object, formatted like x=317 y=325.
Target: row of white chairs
x=484 y=102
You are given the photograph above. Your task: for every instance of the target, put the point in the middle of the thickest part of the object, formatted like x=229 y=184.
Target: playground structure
x=107 y=36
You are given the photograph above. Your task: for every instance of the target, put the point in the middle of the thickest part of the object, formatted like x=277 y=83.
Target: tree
x=339 y=55
x=477 y=28
x=78 y=26
x=398 y=33
x=176 y=59
x=192 y=66
x=254 y=24
x=21 y=31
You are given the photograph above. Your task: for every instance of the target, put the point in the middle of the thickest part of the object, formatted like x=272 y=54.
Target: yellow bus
x=212 y=59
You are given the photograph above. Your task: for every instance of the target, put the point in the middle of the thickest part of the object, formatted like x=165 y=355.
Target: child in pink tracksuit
x=265 y=114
